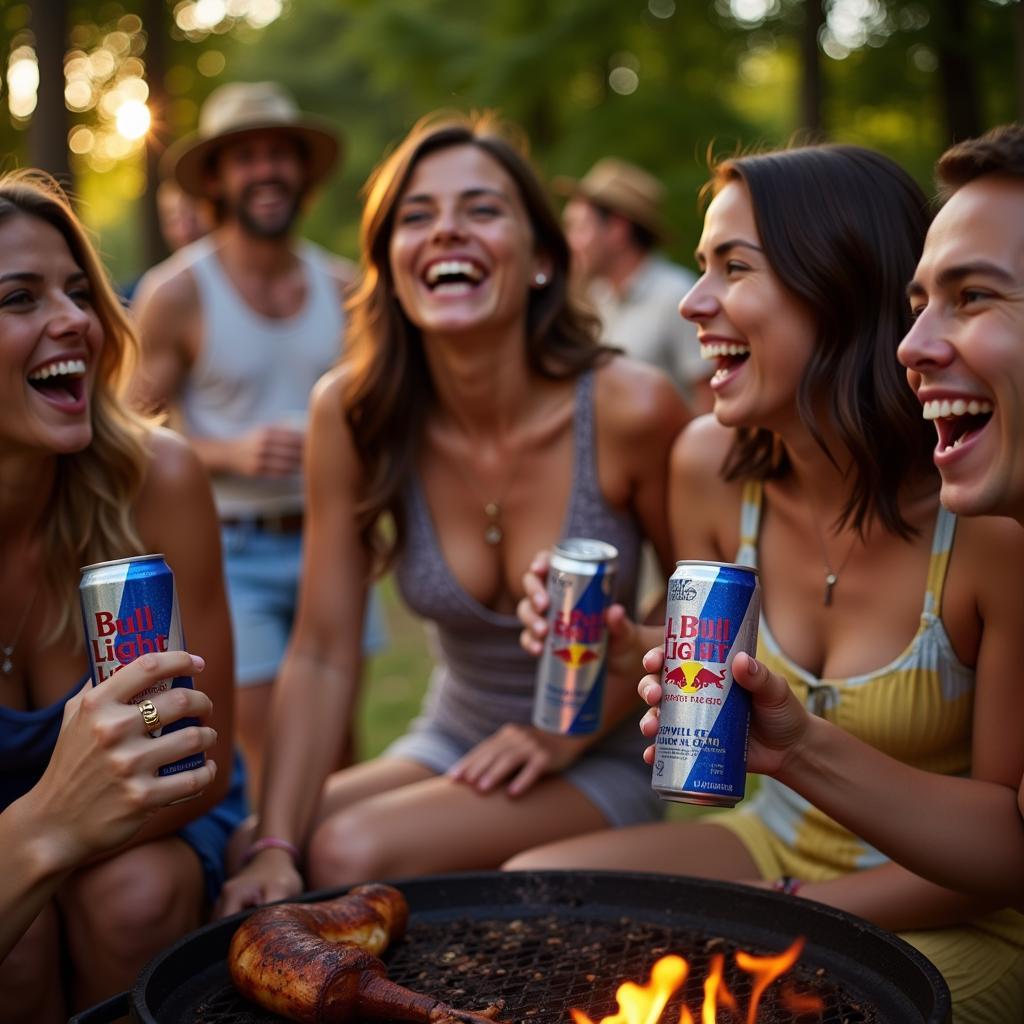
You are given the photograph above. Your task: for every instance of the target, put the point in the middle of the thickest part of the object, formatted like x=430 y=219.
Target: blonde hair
x=94 y=490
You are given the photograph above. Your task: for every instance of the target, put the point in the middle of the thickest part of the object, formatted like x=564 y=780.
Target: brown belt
x=290 y=522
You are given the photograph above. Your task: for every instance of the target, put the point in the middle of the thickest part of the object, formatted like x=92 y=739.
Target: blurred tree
x=953 y=41
x=812 y=85
x=655 y=81
x=156 y=21
x=48 y=132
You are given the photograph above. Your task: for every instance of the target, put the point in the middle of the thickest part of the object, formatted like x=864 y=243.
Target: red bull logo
x=694 y=638
x=691 y=676
x=580 y=626
x=584 y=631
x=576 y=654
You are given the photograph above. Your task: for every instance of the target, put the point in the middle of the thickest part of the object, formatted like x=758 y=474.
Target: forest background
x=95 y=90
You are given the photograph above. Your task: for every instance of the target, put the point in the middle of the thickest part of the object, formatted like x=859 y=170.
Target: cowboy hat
x=623 y=188
x=231 y=111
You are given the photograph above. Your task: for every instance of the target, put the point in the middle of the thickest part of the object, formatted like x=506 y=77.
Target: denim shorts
x=262 y=571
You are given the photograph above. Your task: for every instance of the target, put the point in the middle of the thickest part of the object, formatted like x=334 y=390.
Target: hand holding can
x=130 y=608
x=569 y=695
x=711 y=614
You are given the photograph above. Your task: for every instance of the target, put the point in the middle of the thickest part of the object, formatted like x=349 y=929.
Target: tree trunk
x=48 y=130
x=812 y=85
x=957 y=80
x=1018 y=32
x=154 y=248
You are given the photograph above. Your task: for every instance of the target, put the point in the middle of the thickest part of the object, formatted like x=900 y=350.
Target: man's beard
x=257 y=227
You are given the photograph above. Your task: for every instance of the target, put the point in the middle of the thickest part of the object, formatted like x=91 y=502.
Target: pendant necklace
x=831 y=575
x=494 y=532
x=7 y=650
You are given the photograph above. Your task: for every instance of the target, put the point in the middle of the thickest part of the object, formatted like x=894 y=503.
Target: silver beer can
x=130 y=608
x=571 y=675
x=700 y=754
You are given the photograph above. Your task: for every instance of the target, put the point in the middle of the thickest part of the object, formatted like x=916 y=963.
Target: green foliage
x=375 y=67
x=700 y=78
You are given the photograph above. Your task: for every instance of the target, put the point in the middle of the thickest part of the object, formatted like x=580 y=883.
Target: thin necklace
x=7 y=650
x=831 y=575
x=493 y=530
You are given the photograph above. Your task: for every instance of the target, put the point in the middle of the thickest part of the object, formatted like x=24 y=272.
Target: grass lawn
x=396 y=680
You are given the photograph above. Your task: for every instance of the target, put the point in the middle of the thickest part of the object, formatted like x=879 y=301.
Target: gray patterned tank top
x=483 y=678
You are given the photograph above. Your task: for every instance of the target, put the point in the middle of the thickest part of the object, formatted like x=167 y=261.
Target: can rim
x=121 y=561
x=586 y=549
x=721 y=565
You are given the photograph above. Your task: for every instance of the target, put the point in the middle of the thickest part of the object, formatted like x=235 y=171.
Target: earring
x=540 y=279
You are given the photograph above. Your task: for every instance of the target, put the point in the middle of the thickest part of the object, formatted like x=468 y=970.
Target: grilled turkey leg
x=316 y=963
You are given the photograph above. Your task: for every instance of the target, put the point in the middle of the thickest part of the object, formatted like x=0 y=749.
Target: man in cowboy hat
x=236 y=329
x=614 y=225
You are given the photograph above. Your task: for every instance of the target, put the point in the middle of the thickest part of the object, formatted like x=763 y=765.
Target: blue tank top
x=27 y=739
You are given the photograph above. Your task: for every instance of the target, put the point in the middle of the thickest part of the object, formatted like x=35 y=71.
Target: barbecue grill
x=545 y=942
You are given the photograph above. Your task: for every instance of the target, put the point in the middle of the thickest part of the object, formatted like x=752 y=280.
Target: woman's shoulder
x=175 y=480
x=638 y=400
x=700 y=450
x=172 y=461
x=329 y=394
x=992 y=544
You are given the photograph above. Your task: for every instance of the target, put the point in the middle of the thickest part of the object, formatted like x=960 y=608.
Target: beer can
x=571 y=675
x=700 y=754
x=130 y=608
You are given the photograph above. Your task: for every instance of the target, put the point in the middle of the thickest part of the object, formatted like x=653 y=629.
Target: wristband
x=788 y=885
x=272 y=843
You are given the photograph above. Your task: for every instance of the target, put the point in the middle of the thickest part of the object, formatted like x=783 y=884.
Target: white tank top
x=253 y=370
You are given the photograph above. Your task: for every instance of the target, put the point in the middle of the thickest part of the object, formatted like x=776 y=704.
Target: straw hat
x=623 y=188
x=240 y=107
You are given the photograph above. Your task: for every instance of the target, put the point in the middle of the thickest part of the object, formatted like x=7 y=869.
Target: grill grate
x=544 y=965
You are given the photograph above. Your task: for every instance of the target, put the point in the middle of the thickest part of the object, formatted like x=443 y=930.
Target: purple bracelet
x=788 y=885
x=272 y=843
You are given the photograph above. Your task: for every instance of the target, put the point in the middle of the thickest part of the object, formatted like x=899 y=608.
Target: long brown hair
x=90 y=518
x=388 y=388
x=843 y=228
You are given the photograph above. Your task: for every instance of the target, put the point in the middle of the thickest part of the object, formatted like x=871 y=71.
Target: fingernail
x=648 y=692
x=538 y=601
x=754 y=667
x=197 y=663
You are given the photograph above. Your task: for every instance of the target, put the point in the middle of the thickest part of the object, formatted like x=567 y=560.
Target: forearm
x=34 y=867
x=894 y=898
x=965 y=833
x=309 y=719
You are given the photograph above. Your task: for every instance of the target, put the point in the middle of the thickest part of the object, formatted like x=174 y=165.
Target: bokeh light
x=197 y=19
x=132 y=119
x=211 y=63
x=662 y=8
x=22 y=82
x=625 y=81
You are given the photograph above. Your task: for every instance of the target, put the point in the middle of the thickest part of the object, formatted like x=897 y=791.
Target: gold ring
x=150 y=716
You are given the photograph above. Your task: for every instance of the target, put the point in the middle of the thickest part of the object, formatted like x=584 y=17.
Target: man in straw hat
x=236 y=329
x=614 y=225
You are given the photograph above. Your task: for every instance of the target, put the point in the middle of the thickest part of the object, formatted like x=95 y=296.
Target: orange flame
x=799 y=1003
x=644 y=1004
x=765 y=970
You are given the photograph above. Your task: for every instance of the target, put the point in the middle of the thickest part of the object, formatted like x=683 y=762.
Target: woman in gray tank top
x=473 y=421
